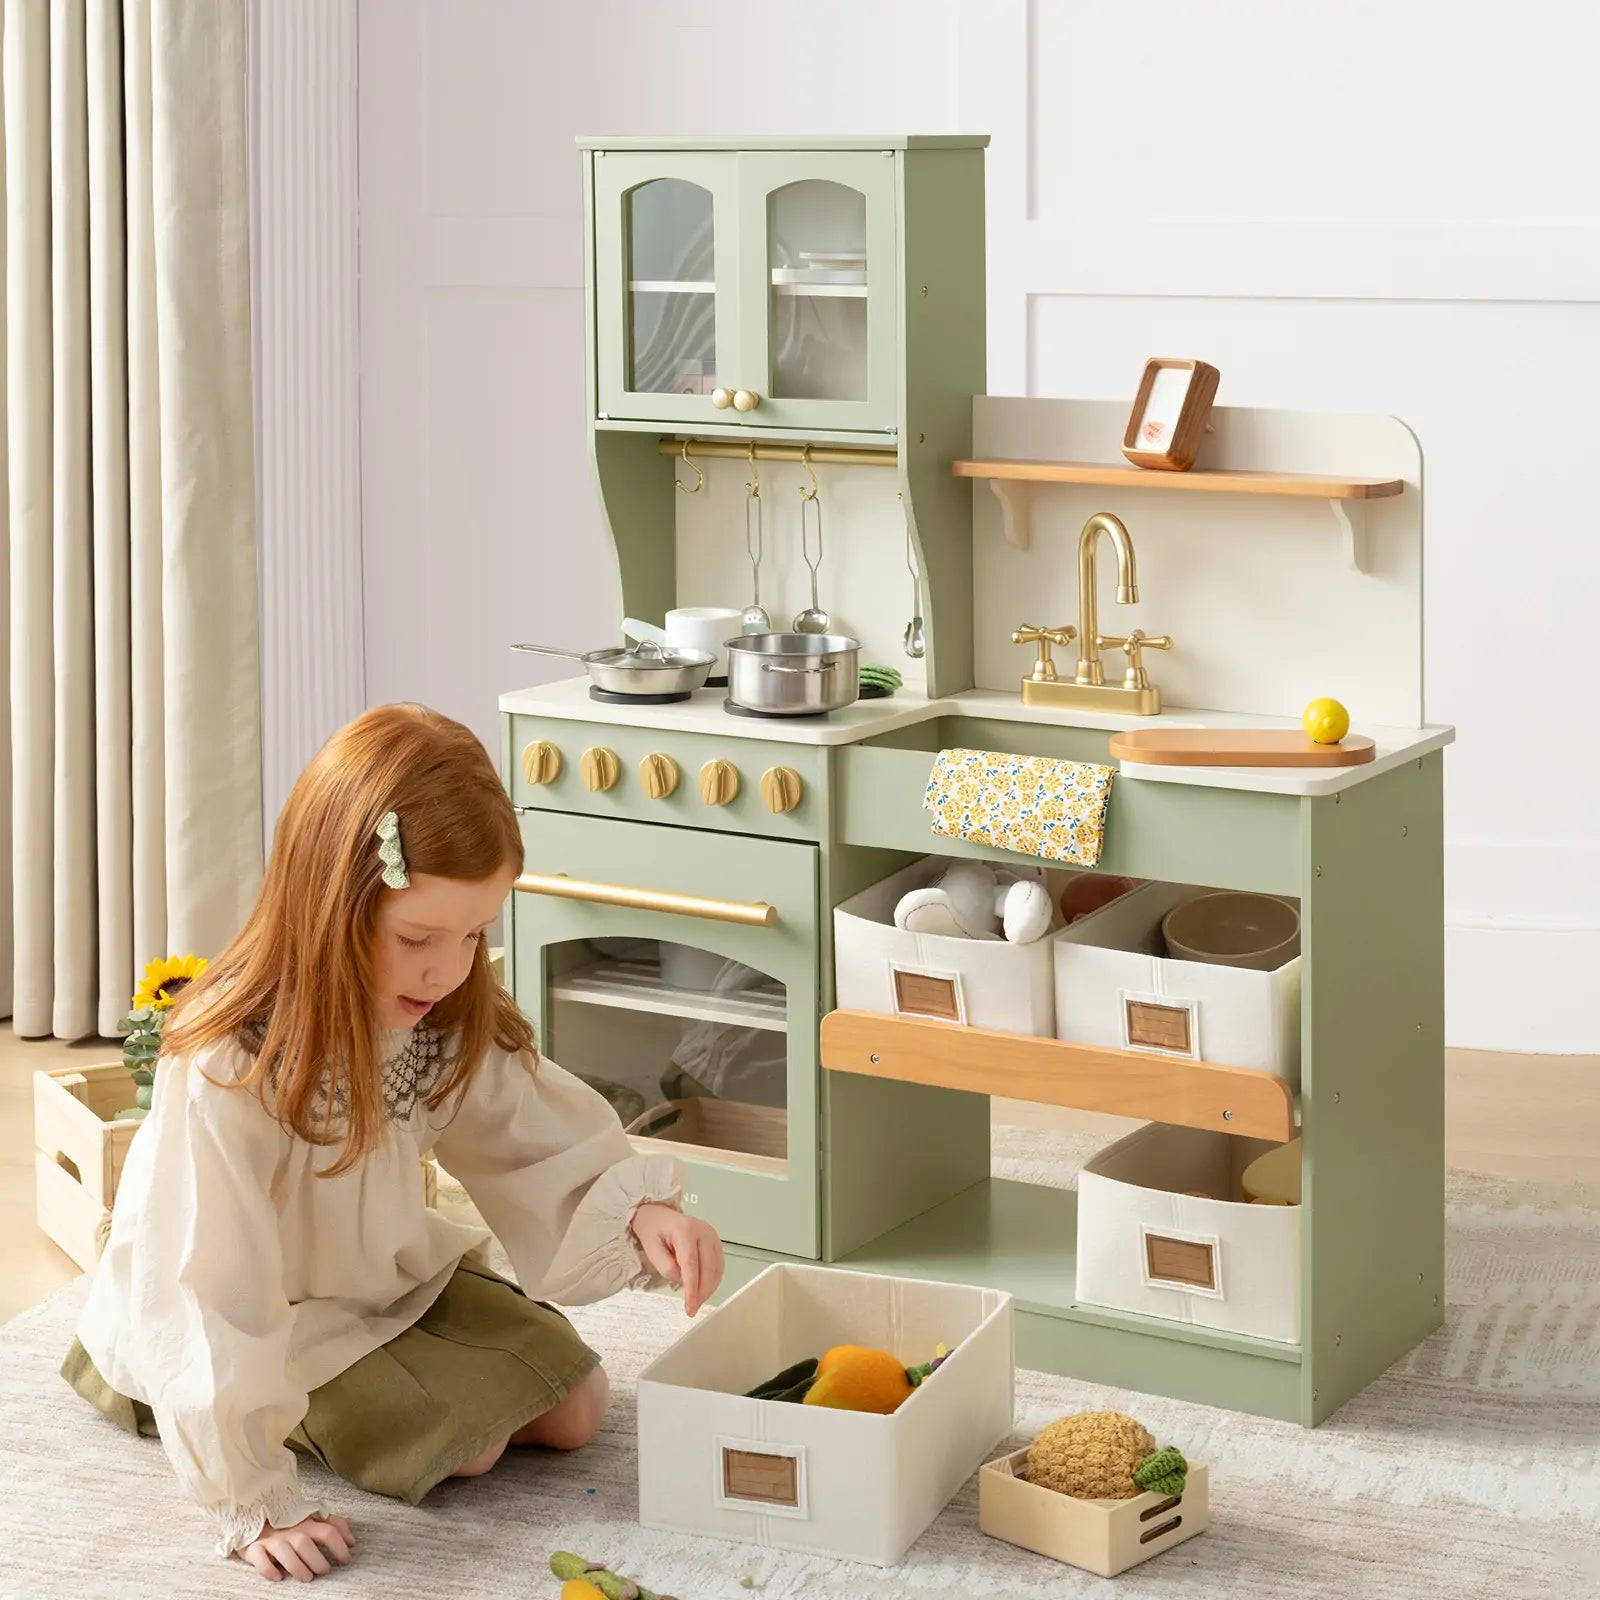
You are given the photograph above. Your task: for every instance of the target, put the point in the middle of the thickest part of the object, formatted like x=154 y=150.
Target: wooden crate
x=79 y=1152
x=1101 y=1536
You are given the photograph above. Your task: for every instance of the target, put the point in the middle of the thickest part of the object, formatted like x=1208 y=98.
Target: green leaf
x=140 y=1050
x=143 y=1014
x=143 y=1075
x=130 y=1114
x=142 y=1095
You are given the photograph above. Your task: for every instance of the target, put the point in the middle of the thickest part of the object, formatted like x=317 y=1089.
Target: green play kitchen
x=960 y=747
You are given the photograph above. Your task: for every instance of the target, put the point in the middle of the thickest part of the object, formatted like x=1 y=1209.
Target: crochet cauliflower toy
x=1104 y=1455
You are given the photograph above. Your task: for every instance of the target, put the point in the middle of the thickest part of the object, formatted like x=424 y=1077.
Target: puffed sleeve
x=545 y=1160
x=188 y=1310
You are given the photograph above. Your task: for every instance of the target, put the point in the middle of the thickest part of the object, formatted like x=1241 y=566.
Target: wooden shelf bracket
x=1016 y=510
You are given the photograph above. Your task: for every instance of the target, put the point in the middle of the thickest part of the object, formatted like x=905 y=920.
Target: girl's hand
x=295 y=1552
x=682 y=1249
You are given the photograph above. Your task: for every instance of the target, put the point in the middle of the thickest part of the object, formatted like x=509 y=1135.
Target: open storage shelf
x=1022 y=1238
x=1126 y=1083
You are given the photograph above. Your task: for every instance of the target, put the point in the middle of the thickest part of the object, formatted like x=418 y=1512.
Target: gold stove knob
x=719 y=783
x=781 y=788
x=541 y=762
x=600 y=769
x=658 y=776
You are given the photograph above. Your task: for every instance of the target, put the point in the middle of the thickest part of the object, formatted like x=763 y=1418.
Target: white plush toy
x=974 y=900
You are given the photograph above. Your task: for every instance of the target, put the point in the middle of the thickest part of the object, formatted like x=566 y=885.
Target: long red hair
x=299 y=975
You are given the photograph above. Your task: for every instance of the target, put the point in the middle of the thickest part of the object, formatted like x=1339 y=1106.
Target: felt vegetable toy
x=589 y=1580
x=1104 y=1455
x=851 y=1377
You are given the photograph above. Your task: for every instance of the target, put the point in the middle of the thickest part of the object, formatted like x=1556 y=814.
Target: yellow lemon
x=1325 y=721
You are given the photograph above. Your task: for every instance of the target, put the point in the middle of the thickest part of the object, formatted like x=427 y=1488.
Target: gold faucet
x=1136 y=695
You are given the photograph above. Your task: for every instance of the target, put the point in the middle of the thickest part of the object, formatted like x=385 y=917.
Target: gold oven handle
x=746 y=913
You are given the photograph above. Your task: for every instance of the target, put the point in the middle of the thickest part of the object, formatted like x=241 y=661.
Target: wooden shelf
x=1010 y=482
x=637 y=986
x=1125 y=1083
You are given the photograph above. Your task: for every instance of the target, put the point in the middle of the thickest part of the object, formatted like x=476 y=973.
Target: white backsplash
x=862 y=581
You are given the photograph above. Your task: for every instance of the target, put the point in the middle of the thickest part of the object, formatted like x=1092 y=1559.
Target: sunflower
x=164 y=980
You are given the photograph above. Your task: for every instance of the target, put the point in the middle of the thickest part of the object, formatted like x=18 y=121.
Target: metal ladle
x=916 y=642
x=755 y=618
x=813 y=619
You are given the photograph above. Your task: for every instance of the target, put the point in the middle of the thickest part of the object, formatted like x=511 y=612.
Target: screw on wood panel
x=1319 y=872
x=924 y=288
x=1337 y=798
x=1316 y=1394
x=1336 y=1097
x=1436 y=1299
x=874 y=1061
x=1227 y=1116
x=1419 y=1277
x=1404 y=831
x=922 y=438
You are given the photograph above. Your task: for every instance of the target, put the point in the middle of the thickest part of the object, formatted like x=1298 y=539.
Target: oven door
x=676 y=971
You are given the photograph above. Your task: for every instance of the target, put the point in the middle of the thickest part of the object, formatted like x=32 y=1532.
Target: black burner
x=610 y=697
x=772 y=716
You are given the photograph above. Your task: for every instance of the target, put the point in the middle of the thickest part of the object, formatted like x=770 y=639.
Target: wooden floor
x=1520 y=1116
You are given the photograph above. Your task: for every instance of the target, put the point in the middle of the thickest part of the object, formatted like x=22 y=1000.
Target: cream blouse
x=235 y=1280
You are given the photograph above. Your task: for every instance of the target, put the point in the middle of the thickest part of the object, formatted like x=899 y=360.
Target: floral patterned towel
x=1039 y=806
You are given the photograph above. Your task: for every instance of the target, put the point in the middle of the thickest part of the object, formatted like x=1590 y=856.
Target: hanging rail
x=831 y=455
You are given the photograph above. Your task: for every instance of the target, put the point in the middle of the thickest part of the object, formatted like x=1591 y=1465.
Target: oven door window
x=690 y=1048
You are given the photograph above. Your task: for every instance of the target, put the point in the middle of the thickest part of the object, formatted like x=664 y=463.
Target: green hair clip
x=390 y=854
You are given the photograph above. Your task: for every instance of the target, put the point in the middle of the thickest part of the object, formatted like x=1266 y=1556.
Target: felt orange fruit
x=850 y=1378
x=580 y=1589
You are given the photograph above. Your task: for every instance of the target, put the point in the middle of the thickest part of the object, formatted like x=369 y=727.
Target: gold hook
x=805 y=461
x=694 y=466
x=752 y=484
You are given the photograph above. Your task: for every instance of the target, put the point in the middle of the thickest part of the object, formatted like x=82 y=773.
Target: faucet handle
x=1044 y=669
x=1135 y=645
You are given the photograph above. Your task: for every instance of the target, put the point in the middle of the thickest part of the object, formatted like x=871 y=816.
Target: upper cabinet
x=751 y=288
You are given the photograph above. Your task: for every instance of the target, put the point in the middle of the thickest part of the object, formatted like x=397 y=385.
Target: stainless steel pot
x=649 y=669
x=793 y=674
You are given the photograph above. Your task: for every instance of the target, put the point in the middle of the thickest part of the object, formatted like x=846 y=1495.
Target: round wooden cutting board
x=1237 y=747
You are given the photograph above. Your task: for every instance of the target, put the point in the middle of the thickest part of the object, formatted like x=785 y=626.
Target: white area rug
x=1472 y=1469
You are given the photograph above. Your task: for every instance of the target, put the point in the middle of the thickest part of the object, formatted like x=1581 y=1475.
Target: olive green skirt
x=482 y=1362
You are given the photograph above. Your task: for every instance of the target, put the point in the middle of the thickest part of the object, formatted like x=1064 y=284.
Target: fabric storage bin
x=836 y=1483
x=979 y=982
x=1163 y=1231
x=1116 y=987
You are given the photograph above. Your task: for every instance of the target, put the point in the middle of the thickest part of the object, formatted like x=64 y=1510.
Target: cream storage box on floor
x=836 y=1483
x=1163 y=1231
x=983 y=983
x=1116 y=987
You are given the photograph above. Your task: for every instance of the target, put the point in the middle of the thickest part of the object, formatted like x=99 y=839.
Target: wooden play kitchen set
x=787 y=421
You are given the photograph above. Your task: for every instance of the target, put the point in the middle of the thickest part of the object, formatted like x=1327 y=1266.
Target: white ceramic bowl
x=1233 y=929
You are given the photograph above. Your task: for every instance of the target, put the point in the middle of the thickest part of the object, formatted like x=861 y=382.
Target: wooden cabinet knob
x=541 y=762
x=722 y=398
x=745 y=400
x=658 y=776
x=600 y=769
x=719 y=783
x=781 y=788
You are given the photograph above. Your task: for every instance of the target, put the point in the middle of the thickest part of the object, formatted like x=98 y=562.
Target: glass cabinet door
x=819 y=288
x=666 y=323
x=700 y=1030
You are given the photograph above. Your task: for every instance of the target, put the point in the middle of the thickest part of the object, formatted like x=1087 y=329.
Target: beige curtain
x=133 y=808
